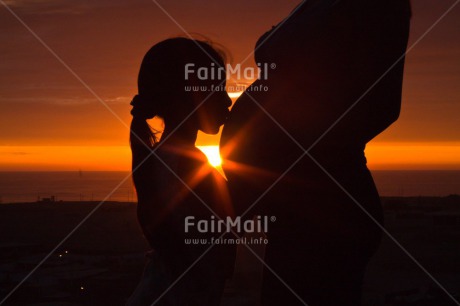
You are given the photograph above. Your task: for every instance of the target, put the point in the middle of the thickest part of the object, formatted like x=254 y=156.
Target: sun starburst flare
x=213 y=155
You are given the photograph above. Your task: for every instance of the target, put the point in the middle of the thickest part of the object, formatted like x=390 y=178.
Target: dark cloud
x=15 y=153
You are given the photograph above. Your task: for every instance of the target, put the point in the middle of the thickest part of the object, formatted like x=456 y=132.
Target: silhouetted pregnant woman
x=327 y=56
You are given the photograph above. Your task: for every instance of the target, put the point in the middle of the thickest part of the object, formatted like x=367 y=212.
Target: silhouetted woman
x=172 y=176
x=328 y=54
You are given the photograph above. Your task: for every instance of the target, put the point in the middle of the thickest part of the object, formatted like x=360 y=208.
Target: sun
x=213 y=155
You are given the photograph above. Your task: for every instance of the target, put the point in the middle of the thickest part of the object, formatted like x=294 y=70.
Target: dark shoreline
x=105 y=256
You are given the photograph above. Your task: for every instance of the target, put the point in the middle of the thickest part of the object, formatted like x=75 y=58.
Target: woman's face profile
x=214 y=111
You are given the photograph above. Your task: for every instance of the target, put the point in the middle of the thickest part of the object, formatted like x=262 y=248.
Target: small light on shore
x=82 y=288
x=67 y=252
x=60 y=255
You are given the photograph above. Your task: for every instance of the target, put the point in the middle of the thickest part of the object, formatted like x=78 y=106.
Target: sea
x=117 y=186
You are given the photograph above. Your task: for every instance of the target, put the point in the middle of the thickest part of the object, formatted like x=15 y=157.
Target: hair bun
x=143 y=108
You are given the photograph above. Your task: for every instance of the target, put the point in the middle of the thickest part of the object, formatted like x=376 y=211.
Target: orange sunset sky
x=50 y=121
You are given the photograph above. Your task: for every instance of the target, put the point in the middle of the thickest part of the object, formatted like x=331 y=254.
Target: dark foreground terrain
x=101 y=262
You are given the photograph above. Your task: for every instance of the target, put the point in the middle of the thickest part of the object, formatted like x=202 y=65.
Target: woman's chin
x=211 y=130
